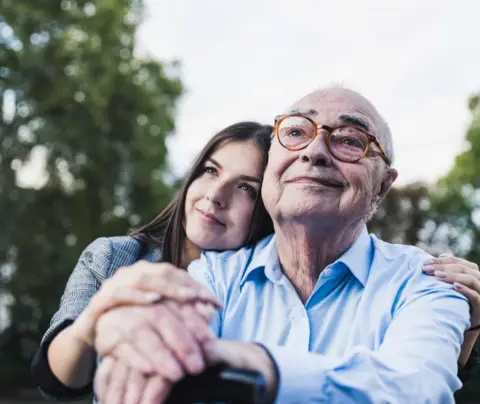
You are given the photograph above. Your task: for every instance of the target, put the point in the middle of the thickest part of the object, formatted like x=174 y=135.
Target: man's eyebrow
x=355 y=121
x=304 y=111
x=243 y=177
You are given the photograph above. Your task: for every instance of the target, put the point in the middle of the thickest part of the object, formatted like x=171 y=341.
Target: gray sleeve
x=85 y=280
x=89 y=273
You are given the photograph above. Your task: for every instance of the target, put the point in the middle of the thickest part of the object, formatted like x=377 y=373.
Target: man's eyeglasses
x=345 y=143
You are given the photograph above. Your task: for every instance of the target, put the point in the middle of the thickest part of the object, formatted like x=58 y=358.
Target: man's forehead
x=334 y=103
x=334 y=98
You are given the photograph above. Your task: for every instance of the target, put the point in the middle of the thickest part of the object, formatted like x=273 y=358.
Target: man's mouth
x=327 y=182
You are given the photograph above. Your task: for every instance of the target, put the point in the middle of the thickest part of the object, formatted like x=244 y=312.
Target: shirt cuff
x=48 y=384
x=302 y=375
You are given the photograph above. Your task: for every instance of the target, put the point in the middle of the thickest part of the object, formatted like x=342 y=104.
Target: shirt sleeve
x=416 y=362
x=83 y=283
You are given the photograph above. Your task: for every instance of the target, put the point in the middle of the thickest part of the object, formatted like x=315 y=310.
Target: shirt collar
x=358 y=258
x=265 y=260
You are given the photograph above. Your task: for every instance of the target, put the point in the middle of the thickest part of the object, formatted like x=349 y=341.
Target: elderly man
x=327 y=312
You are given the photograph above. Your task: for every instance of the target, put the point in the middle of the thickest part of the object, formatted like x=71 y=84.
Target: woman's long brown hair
x=167 y=229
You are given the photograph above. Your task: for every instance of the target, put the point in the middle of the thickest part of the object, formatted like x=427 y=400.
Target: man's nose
x=217 y=194
x=317 y=153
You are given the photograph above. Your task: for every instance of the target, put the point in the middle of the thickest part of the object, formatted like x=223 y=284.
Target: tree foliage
x=75 y=98
x=83 y=123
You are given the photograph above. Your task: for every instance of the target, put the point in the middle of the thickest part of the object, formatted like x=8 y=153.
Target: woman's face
x=219 y=202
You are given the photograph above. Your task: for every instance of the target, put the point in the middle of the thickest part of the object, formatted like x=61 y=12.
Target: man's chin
x=310 y=211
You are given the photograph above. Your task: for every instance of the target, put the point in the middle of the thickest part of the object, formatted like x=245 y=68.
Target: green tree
x=456 y=198
x=455 y=212
x=73 y=92
x=402 y=215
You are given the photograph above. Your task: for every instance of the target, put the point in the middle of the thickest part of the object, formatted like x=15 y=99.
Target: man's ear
x=388 y=179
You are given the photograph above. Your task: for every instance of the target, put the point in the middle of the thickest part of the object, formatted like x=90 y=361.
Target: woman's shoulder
x=105 y=255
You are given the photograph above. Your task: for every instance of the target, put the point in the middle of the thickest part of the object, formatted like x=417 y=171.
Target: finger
x=169 y=281
x=150 y=345
x=454 y=268
x=205 y=310
x=472 y=295
x=196 y=324
x=447 y=254
x=450 y=259
x=135 y=386
x=179 y=340
x=118 y=381
x=464 y=279
x=109 y=297
x=156 y=391
x=102 y=377
x=128 y=354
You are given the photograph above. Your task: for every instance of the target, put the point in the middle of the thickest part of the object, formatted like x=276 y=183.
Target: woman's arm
x=58 y=345
x=75 y=369
x=86 y=299
x=465 y=277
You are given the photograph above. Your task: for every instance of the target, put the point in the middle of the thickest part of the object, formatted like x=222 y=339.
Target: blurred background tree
x=81 y=108
x=444 y=217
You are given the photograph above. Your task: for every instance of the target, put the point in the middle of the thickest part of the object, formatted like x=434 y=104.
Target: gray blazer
x=99 y=261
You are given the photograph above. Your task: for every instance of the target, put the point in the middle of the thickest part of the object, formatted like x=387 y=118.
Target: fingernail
x=440 y=274
x=187 y=293
x=195 y=363
x=458 y=286
x=446 y=255
x=428 y=268
x=428 y=262
x=152 y=296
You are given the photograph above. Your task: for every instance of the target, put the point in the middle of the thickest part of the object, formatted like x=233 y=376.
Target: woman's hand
x=465 y=277
x=140 y=284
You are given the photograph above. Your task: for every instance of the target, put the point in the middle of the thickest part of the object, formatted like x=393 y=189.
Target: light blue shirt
x=376 y=329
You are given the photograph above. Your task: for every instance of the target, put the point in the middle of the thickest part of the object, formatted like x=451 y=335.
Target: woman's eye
x=249 y=189
x=210 y=170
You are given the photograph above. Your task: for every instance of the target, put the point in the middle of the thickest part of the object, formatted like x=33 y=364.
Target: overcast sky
x=417 y=61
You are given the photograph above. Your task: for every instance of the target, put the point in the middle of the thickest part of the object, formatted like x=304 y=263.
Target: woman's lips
x=210 y=218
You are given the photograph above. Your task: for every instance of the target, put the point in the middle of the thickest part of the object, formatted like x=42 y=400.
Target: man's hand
x=247 y=356
x=117 y=383
x=167 y=338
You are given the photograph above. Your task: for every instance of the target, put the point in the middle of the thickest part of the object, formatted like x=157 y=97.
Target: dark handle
x=220 y=384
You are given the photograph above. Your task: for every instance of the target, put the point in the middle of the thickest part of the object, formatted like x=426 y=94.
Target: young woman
x=217 y=208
